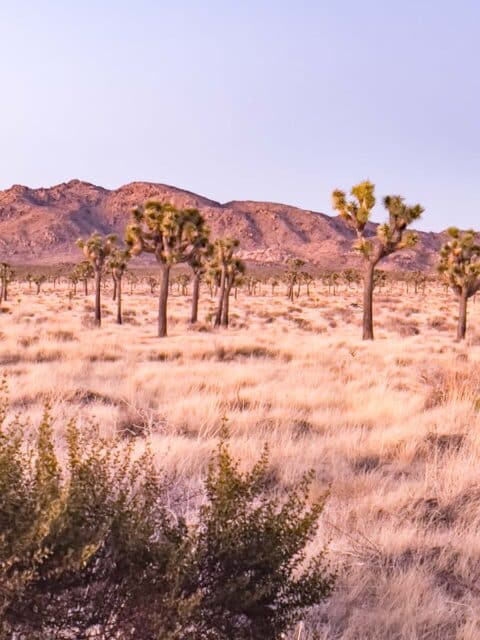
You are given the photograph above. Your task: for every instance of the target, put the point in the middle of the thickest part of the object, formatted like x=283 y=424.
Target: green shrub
x=92 y=544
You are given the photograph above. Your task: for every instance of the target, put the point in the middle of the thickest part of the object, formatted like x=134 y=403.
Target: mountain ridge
x=40 y=225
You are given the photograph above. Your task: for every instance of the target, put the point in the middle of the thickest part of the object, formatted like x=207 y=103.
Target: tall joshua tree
x=170 y=234
x=117 y=262
x=97 y=249
x=390 y=237
x=460 y=267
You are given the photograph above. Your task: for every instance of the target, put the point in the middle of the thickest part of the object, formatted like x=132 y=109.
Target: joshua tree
x=307 y=280
x=182 y=280
x=274 y=282
x=152 y=283
x=6 y=276
x=350 y=277
x=170 y=235
x=132 y=281
x=253 y=285
x=292 y=276
x=39 y=279
x=73 y=278
x=331 y=280
x=96 y=249
x=419 y=279
x=201 y=254
x=228 y=268
x=379 y=279
x=83 y=272
x=117 y=262
x=390 y=236
x=212 y=279
x=460 y=267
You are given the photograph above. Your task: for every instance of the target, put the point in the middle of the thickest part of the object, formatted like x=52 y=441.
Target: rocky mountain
x=39 y=226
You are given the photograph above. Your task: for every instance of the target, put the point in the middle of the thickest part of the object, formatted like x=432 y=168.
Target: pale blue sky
x=266 y=100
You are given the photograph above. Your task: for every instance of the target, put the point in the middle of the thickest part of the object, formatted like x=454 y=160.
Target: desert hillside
x=41 y=225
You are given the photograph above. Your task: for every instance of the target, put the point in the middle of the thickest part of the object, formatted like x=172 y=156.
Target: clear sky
x=253 y=99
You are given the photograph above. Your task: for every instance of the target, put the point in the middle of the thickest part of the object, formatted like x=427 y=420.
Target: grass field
x=391 y=427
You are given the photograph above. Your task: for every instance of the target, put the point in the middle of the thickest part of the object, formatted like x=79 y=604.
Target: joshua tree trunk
x=462 y=316
x=195 y=296
x=5 y=286
x=226 y=304
x=114 y=295
x=162 y=300
x=85 y=287
x=368 y=302
x=221 y=297
x=118 y=287
x=98 y=284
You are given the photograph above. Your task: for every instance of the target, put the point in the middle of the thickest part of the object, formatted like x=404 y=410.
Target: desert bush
x=93 y=544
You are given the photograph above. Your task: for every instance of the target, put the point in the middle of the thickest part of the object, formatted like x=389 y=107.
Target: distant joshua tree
x=82 y=273
x=39 y=279
x=97 y=249
x=390 y=236
x=117 y=262
x=307 y=280
x=170 y=234
x=350 y=277
x=182 y=280
x=274 y=282
x=73 y=279
x=292 y=275
x=379 y=279
x=152 y=283
x=460 y=268
x=419 y=279
x=6 y=276
x=331 y=280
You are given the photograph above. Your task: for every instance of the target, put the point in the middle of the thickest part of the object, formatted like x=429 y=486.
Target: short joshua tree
x=390 y=237
x=82 y=273
x=182 y=282
x=460 y=268
x=170 y=235
x=226 y=264
x=292 y=275
x=97 y=249
x=117 y=262
x=198 y=262
x=6 y=276
x=39 y=279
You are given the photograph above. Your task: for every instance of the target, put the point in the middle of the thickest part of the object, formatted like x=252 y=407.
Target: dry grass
x=391 y=427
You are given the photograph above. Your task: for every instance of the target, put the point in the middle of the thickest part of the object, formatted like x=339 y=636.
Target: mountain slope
x=41 y=225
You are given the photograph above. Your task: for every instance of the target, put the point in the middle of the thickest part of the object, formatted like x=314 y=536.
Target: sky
x=260 y=99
